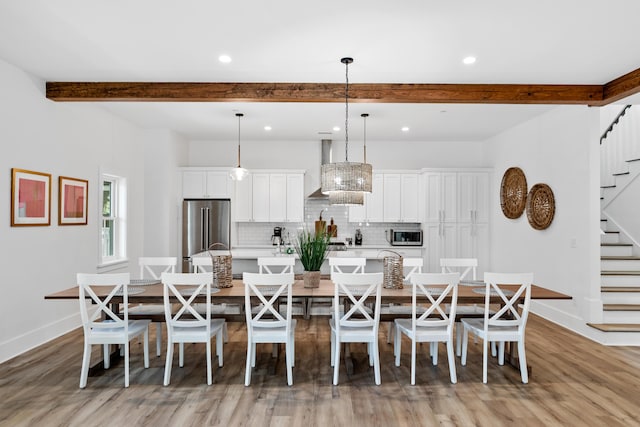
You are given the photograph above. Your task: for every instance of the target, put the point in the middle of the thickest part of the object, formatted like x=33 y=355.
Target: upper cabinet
x=393 y=198
x=206 y=183
x=266 y=196
x=440 y=198
x=473 y=197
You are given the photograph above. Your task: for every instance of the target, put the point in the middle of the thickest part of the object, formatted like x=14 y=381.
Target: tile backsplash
x=259 y=233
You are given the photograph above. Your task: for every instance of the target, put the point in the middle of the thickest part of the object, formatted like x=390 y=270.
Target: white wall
x=559 y=148
x=66 y=139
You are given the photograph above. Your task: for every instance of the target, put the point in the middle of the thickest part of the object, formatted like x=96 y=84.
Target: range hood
x=325 y=158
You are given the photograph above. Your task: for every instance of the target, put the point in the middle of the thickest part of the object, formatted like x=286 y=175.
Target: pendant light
x=346 y=182
x=238 y=173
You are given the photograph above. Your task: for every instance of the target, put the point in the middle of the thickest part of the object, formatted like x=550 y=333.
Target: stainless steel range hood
x=325 y=158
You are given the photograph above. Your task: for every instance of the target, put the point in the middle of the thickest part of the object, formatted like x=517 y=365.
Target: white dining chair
x=410 y=266
x=507 y=324
x=357 y=323
x=430 y=322
x=267 y=324
x=186 y=324
x=323 y=306
x=103 y=326
x=282 y=265
x=151 y=268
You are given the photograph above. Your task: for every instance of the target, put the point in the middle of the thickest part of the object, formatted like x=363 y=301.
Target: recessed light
x=469 y=60
x=267 y=128
x=225 y=59
x=405 y=129
x=336 y=128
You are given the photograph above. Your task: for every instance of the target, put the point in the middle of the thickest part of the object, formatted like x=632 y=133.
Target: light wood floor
x=574 y=382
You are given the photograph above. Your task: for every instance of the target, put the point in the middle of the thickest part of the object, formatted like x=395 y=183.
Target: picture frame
x=30 y=198
x=73 y=194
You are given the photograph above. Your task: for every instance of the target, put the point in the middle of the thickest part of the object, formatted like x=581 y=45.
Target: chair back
x=508 y=314
x=200 y=264
x=274 y=265
x=357 y=288
x=187 y=315
x=462 y=265
x=268 y=289
x=411 y=266
x=153 y=267
x=346 y=265
x=435 y=314
x=100 y=315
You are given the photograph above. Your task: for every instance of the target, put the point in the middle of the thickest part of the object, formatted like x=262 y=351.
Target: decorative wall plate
x=541 y=206
x=513 y=193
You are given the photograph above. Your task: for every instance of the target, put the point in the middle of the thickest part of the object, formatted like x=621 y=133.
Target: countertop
x=366 y=251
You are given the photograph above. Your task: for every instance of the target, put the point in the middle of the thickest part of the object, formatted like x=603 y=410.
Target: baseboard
x=20 y=344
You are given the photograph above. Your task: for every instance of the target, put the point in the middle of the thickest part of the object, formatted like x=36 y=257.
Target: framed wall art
x=30 y=198
x=72 y=201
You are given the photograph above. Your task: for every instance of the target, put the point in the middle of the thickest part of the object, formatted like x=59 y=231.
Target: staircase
x=619 y=263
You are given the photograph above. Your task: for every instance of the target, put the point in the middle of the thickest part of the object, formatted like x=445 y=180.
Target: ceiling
x=413 y=41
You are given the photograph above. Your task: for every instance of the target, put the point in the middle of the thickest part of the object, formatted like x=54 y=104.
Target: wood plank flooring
x=574 y=382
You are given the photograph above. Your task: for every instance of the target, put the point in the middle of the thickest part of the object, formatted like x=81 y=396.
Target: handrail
x=614 y=122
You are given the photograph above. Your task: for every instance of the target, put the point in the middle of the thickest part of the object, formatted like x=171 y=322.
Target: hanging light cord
x=364 y=116
x=346 y=115
x=239 y=116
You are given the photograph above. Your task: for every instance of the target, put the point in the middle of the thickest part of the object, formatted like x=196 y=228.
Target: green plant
x=312 y=249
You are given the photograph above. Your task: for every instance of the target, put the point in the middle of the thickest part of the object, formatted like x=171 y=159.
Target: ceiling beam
x=326 y=92
x=623 y=86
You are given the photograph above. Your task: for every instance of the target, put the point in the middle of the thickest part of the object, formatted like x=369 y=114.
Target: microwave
x=406 y=237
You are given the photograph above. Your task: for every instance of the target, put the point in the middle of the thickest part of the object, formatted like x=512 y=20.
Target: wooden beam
x=623 y=86
x=325 y=92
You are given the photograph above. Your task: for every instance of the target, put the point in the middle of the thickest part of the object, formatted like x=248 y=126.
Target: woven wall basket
x=513 y=193
x=541 y=206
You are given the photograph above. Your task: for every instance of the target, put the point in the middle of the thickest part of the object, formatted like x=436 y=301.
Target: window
x=113 y=229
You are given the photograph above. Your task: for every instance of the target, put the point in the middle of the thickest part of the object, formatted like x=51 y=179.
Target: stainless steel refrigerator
x=204 y=222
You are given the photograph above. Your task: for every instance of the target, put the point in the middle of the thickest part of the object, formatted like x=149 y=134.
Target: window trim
x=119 y=214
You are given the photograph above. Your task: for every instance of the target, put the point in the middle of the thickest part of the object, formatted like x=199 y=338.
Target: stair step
x=616 y=244
x=632 y=160
x=608 y=186
x=621 y=307
x=611 y=232
x=620 y=289
x=619 y=273
x=616 y=327
x=623 y=258
x=620 y=173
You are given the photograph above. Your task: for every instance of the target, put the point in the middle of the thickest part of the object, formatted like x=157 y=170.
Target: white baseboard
x=32 y=339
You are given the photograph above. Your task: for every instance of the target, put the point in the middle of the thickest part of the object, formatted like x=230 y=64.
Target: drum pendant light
x=238 y=173
x=346 y=182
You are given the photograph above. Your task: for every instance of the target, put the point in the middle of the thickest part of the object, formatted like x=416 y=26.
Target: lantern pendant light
x=346 y=182
x=238 y=173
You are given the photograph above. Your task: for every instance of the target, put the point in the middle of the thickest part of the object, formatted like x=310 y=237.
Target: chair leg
x=126 y=364
x=452 y=361
x=250 y=362
x=289 y=360
x=397 y=345
x=336 y=361
x=181 y=355
x=434 y=353
x=500 y=352
x=370 y=351
x=459 y=329
x=168 y=363
x=209 y=376
x=333 y=348
x=485 y=357
x=465 y=343
x=106 y=356
x=523 y=361
x=219 y=347
x=86 y=359
x=146 y=348
x=414 y=349
x=390 y=332
x=253 y=355
x=493 y=349
x=158 y=339
x=376 y=360
x=292 y=339
x=226 y=332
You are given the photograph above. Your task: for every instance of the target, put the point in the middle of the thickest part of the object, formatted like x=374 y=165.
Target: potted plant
x=312 y=250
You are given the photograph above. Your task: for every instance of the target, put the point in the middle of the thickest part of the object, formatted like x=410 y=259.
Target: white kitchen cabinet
x=261 y=197
x=373 y=208
x=473 y=197
x=206 y=184
x=473 y=242
x=392 y=209
x=409 y=208
x=270 y=197
x=440 y=197
x=243 y=201
x=439 y=241
x=295 y=198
